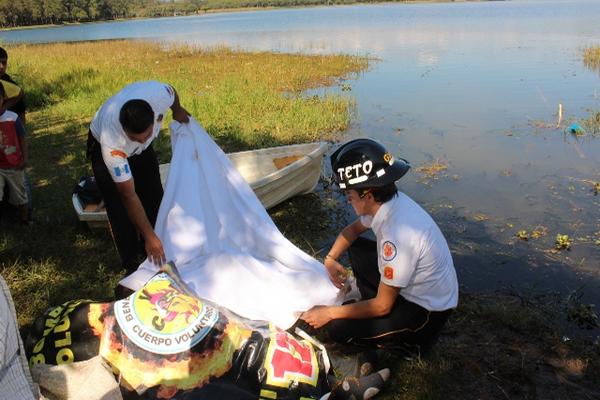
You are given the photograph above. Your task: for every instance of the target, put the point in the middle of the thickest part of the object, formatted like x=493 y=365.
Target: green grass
x=245 y=100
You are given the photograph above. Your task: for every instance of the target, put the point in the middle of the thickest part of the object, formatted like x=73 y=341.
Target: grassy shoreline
x=495 y=347
x=227 y=91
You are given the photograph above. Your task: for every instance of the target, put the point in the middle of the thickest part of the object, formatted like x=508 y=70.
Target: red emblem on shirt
x=389 y=251
x=118 y=153
x=388 y=272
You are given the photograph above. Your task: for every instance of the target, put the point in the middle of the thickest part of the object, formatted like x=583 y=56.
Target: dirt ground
x=501 y=346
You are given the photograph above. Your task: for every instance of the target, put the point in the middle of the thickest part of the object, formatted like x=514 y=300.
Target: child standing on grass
x=13 y=158
x=15 y=102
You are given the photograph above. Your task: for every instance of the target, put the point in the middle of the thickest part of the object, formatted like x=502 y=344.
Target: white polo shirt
x=106 y=128
x=413 y=254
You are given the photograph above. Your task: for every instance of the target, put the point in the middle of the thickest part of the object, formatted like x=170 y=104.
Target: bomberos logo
x=160 y=318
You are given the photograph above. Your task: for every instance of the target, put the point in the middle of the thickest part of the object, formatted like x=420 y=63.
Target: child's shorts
x=15 y=180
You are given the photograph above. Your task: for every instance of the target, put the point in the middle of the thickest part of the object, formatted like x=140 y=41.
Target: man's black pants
x=407 y=324
x=145 y=171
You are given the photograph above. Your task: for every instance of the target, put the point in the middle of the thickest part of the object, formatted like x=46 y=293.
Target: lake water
x=473 y=86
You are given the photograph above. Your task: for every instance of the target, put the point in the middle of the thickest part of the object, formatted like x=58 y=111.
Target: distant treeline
x=15 y=13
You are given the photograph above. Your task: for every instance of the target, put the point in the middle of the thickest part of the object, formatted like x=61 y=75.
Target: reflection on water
x=473 y=85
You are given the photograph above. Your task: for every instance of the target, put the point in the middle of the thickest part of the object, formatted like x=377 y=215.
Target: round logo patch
x=388 y=251
x=162 y=319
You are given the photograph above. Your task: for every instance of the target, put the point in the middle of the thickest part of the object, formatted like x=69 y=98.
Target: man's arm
x=378 y=306
x=137 y=215
x=180 y=114
x=337 y=272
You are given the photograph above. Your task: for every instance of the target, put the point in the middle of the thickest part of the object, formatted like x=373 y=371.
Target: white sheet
x=225 y=245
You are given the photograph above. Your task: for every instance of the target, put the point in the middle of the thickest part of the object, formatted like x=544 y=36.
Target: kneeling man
x=410 y=291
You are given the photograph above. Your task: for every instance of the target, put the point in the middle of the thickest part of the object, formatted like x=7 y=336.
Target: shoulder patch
x=388 y=272
x=118 y=153
x=122 y=170
x=388 y=251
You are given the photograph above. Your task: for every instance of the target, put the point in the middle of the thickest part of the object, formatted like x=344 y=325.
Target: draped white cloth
x=225 y=245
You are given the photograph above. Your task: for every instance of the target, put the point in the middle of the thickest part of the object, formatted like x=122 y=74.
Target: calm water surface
x=474 y=86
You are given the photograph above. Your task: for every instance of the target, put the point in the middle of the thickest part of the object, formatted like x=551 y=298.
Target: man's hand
x=337 y=272
x=317 y=316
x=181 y=115
x=154 y=250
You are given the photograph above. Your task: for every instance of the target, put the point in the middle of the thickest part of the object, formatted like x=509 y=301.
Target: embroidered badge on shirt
x=388 y=272
x=118 y=153
x=389 y=251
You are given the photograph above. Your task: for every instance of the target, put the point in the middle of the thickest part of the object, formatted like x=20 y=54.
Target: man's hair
x=136 y=116
x=3 y=53
x=385 y=193
x=2 y=91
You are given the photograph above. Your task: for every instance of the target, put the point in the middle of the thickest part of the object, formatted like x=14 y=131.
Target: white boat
x=274 y=173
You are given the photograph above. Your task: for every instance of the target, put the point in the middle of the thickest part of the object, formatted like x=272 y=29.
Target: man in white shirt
x=126 y=168
x=410 y=290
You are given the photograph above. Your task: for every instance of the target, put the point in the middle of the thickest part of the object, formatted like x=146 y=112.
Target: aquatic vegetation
x=591 y=58
x=592 y=123
x=595 y=185
x=539 y=232
x=581 y=313
x=562 y=242
x=433 y=169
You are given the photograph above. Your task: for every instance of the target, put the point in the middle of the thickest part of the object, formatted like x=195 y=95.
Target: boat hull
x=275 y=174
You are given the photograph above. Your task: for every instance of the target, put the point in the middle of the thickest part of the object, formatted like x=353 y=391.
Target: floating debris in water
x=480 y=217
x=576 y=129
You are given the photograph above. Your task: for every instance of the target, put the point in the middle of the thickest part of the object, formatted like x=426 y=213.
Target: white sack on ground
x=225 y=245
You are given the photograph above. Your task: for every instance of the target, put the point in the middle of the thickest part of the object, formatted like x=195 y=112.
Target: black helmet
x=365 y=163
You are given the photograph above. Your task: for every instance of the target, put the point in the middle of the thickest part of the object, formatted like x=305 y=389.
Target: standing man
x=406 y=279
x=126 y=168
